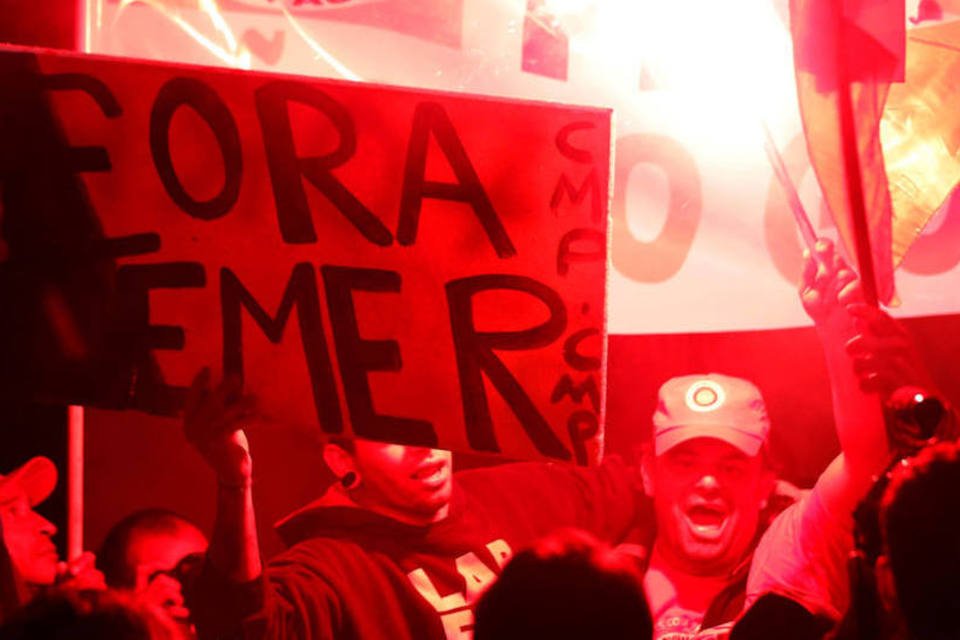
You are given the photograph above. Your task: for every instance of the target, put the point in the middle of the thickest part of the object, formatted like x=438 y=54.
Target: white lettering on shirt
x=455 y=609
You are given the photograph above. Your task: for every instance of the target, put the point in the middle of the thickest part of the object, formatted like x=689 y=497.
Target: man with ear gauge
x=397 y=548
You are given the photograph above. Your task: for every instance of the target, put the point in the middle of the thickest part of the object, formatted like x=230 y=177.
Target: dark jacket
x=350 y=573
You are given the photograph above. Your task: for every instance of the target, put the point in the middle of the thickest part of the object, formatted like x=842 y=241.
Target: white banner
x=702 y=237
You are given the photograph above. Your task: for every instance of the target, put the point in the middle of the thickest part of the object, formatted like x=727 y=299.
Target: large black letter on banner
x=476 y=357
x=293 y=210
x=357 y=356
x=136 y=336
x=302 y=291
x=208 y=105
x=582 y=426
x=134 y=281
x=430 y=117
x=87 y=158
x=593 y=248
x=566 y=387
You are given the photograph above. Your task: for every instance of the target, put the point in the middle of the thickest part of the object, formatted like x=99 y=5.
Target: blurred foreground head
x=89 y=615
x=919 y=570
x=568 y=585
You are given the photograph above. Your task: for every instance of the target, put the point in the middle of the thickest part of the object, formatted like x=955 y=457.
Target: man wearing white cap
x=720 y=542
x=710 y=480
x=28 y=536
x=709 y=472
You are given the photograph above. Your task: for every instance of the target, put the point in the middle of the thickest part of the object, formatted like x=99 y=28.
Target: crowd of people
x=700 y=539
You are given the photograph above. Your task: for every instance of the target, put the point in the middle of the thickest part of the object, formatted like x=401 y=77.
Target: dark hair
x=88 y=615
x=112 y=558
x=920 y=518
x=568 y=585
x=777 y=616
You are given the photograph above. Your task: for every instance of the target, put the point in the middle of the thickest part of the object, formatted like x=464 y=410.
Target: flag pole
x=789 y=190
x=858 y=212
x=852 y=174
x=75 y=420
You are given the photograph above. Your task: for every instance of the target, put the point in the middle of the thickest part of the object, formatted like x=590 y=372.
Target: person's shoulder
x=502 y=472
x=509 y=482
x=321 y=553
x=338 y=524
x=511 y=471
x=522 y=478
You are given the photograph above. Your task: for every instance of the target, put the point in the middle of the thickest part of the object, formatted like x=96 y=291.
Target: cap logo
x=704 y=395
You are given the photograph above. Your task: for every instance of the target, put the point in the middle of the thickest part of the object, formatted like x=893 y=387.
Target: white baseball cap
x=36 y=477
x=710 y=405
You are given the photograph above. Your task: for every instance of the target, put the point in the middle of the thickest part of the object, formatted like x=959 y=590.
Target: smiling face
x=27 y=536
x=409 y=484
x=707 y=497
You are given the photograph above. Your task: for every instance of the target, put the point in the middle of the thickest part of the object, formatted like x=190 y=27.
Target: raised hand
x=212 y=423
x=827 y=288
x=883 y=353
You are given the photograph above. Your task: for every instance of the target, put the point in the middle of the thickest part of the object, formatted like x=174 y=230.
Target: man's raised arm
x=211 y=420
x=831 y=296
x=803 y=555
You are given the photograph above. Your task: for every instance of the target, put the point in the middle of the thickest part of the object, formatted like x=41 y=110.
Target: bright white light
x=729 y=60
x=734 y=50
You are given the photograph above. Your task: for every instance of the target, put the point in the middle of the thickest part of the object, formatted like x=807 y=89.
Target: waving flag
x=921 y=132
x=846 y=53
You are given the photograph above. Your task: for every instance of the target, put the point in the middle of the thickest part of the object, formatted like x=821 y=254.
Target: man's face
x=27 y=536
x=410 y=484
x=156 y=559
x=707 y=496
x=152 y=554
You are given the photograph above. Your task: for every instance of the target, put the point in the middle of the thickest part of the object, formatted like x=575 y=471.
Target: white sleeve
x=803 y=556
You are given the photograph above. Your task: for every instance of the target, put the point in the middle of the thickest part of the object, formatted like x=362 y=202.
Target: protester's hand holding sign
x=80 y=573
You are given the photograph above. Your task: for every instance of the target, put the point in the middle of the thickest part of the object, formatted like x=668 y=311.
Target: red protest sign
x=407 y=266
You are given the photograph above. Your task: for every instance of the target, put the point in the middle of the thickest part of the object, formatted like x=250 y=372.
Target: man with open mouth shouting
x=724 y=534
x=710 y=479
